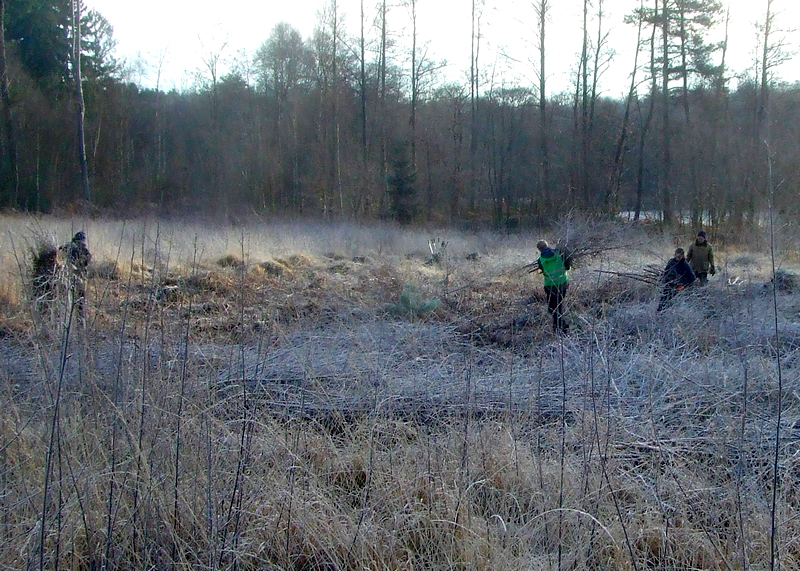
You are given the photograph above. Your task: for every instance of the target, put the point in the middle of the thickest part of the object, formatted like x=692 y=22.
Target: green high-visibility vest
x=554 y=271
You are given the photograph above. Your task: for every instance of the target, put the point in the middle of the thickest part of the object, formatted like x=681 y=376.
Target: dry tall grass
x=256 y=397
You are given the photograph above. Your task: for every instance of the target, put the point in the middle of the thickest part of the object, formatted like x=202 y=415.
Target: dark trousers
x=667 y=294
x=555 y=305
x=702 y=277
x=79 y=298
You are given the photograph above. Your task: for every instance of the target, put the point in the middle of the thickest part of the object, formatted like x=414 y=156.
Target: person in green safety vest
x=554 y=266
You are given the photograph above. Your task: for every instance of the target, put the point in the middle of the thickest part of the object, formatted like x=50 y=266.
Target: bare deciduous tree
x=474 y=89
x=80 y=106
x=541 y=8
x=611 y=200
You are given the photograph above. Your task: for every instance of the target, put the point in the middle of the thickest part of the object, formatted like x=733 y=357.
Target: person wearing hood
x=554 y=266
x=677 y=276
x=77 y=258
x=701 y=257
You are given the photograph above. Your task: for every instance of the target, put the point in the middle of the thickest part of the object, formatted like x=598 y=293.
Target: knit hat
x=79 y=237
x=702 y=234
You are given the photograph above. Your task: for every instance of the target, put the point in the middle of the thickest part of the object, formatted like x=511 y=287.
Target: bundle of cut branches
x=581 y=240
x=650 y=274
x=575 y=254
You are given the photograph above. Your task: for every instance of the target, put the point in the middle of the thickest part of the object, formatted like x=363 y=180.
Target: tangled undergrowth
x=344 y=403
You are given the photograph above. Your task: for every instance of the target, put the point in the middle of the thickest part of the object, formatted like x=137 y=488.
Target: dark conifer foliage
x=37 y=32
x=402 y=189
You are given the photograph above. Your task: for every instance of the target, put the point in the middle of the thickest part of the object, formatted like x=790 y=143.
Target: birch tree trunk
x=79 y=103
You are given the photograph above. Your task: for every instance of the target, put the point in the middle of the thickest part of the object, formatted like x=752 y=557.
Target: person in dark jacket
x=77 y=260
x=677 y=276
x=554 y=266
x=701 y=257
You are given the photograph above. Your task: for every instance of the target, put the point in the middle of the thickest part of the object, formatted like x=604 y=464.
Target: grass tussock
x=328 y=399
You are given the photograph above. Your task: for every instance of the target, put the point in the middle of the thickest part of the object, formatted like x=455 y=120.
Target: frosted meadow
x=330 y=396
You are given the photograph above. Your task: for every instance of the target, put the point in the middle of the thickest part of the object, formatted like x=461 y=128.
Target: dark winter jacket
x=678 y=274
x=78 y=257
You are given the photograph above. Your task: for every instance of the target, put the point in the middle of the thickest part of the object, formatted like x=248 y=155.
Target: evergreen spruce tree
x=402 y=191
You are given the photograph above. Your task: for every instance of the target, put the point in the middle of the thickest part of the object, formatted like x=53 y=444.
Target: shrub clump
x=229 y=261
x=413 y=303
x=44 y=272
x=275 y=268
x=208 y=282
x=785 y=281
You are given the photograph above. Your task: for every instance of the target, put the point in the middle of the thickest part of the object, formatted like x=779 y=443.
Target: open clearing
x=333 y=398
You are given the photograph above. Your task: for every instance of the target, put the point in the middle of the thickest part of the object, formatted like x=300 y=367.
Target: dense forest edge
x=353 y=128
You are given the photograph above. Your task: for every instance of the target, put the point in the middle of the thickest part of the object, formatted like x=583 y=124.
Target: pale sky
x=184 y=30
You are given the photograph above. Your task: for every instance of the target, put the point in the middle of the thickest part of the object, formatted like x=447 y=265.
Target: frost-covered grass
x=246 y=396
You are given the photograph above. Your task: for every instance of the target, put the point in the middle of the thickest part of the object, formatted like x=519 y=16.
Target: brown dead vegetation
x=272 y=412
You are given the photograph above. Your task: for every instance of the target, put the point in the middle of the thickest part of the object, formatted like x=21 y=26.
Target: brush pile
x=582 y=241
x=650 y=274
x=45 y=267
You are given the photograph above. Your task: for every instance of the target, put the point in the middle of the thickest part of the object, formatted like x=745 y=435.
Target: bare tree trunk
x=772 y=53
x=763 y=94
x=584 y=135
x=384 y=145
x=615 y=175
x=414 y=85
x=473 y=94
x=363 y=81
x=723 y=144
x=431 y=208
x=161 y=162
x=8 y=117
x=79 y=103
x=576 y=163
x=541 y=8
x=698 y=204
x=601 y=42
x=335 y=84
x=211 y=58
x=762 y=127
x=592 y=163
x=648 y=120
x=667 y=207
x=456 y=173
